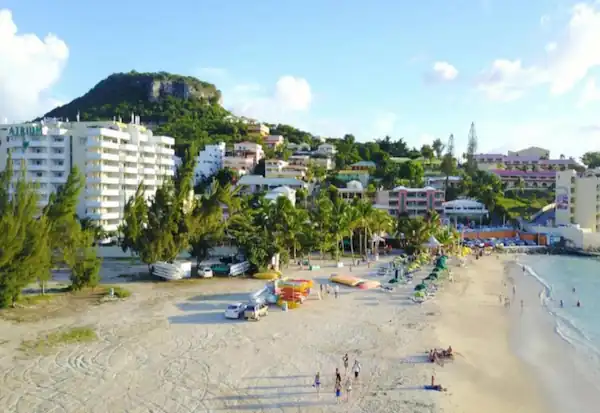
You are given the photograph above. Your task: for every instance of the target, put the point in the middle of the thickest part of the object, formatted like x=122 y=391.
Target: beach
x=487 y=376
x=168 y=348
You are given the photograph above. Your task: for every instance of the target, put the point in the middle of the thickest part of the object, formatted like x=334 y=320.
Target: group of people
x=338 y=379
x=326 y=290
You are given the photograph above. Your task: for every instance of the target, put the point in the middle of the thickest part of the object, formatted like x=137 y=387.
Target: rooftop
x=261 y=180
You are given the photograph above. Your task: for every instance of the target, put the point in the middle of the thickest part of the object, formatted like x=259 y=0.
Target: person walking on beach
x=348 y=389
x=317 y=383
x=338 y=377
x=356 y=368
x=336 y=291
x=514 y=290
x=345 y=360
x=338 y=392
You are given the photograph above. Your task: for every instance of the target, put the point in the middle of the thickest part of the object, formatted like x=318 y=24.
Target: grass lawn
x=525 y=204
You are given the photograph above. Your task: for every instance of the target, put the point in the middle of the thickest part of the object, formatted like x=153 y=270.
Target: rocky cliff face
x=181 y=89
x=122 y=93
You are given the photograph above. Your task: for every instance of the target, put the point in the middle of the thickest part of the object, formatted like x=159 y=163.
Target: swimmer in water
x=578 y=303
x=573 y=289
x=562 y=304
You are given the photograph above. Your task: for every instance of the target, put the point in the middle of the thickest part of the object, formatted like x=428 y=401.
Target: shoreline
x=487 y=375
x=537 y=340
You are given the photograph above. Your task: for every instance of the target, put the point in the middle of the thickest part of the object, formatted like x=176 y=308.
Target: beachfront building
x=412 y=201
x=251 y=184
x=273 y=141
x=538 y=180
x=578 y=199
x=244 y=158
x=258 y=130
x=277 y=168
x=460 y=209
x=209 y=161
x=282 y=191
x=114 y=158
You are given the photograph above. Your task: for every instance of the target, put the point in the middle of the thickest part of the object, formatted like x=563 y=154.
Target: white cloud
x=442 y=72
x=508 y=80
x=289 y=97
x=293 y=93
x=577 y=52
x=29 y=67
x=545 y=20
x=589 y=93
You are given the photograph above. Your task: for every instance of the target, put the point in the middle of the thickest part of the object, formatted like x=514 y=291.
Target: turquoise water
x=560 y=275
x=578 y=326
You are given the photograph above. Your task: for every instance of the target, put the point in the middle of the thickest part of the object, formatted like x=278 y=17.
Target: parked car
x=205 y=272
x=256 y=311
x=235 y=311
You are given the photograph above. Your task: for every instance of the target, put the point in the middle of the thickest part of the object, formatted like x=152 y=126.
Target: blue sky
x=524 y=71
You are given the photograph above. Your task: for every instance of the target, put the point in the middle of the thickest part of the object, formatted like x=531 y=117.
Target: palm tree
x=365 y=211
x=352 y=223
x=381 y=223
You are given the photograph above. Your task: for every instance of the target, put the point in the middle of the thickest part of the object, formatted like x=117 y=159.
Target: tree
x=471 y=148
x=591 y=159
x=82 y=260
x=428 y=153
x=413 y=172
x=25 y=251
x=438 y=148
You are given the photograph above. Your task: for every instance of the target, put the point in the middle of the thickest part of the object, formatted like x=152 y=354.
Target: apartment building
x=414 y=201
x=258 y=130
x=209 y=161
x=302 y=147
x=282 y=191
x=113 y=157
x=531 y=180
x=531 y=159
x=244 y=158
x=578 y=199
x=277 y=168
x=273 y=141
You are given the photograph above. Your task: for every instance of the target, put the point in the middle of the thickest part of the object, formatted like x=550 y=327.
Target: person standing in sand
x=338 y=392
x=317 y=383
x=356 y=368
x=338 y=377
x=345 y=360
x=336 y=291
x=348 y=389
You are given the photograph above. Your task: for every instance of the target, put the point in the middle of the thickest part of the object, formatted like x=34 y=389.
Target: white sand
x=486 y=376
x=170 y=349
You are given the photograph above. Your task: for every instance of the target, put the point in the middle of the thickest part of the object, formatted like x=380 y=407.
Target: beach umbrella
x=420 y=287
x=432 y=242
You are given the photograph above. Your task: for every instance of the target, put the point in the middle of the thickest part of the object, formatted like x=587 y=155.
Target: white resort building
x=114 y=157
x=209 y=161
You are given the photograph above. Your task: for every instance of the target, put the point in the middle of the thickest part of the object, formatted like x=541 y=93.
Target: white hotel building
x=114 y=158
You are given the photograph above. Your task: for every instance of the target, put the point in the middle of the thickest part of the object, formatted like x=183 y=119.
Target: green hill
x=183 y=107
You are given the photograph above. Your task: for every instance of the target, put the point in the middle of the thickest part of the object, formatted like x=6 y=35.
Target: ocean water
x=566 y=348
